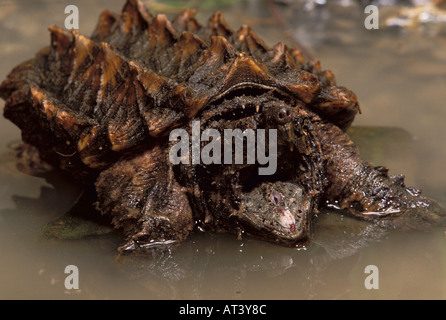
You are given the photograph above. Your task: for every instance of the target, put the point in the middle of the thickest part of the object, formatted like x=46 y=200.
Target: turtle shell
x=84 y=102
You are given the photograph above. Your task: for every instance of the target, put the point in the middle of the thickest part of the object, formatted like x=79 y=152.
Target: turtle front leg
x=369 y=192
x=143 y=198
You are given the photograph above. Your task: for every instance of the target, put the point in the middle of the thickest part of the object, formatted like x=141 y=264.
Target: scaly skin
x=369 y=192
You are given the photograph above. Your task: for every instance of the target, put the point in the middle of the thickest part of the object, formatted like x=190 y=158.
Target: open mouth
x=279 y=210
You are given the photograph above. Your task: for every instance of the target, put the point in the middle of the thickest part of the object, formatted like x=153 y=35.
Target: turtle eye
x=283 y=115
x=276 y=198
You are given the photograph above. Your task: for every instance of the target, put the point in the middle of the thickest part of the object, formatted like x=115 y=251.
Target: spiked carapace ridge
x=156 y=75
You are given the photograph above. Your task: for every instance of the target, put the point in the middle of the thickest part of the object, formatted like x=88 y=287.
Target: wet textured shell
x=88 y=100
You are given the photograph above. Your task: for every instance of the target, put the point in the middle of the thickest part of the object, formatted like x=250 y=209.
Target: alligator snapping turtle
x=103 y=108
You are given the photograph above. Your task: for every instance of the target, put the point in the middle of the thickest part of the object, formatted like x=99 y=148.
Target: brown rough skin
x=102 y=109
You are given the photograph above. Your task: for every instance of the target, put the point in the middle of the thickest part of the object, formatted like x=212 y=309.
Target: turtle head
x=278 y=211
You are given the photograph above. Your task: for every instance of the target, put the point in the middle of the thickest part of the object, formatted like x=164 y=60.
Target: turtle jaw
x=282 y=229
x=278 y=212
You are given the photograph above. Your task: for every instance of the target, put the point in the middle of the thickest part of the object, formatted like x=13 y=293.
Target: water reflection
x=219 y=266
x=205 y=266
x=209 y=265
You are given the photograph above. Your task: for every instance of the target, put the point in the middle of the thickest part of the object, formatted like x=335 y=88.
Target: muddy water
x=400 y=79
